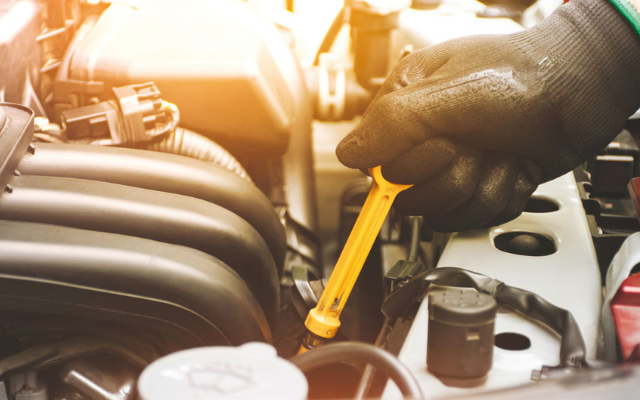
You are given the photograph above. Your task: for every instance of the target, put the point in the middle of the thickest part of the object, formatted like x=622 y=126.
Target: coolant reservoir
x=251 y=371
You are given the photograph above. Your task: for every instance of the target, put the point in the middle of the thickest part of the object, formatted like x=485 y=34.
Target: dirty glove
x=478 y=122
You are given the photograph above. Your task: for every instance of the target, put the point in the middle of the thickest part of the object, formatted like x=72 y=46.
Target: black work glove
x=478 y=122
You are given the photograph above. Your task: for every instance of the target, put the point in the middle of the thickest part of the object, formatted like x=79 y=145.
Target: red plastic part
x=625 y=307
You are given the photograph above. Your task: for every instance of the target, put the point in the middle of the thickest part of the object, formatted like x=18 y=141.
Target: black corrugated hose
x=191 y=144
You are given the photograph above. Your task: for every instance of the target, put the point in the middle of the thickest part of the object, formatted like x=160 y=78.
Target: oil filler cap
x=461 y=336
x=251 y=371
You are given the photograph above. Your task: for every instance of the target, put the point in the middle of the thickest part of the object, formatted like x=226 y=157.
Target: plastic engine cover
x=229 y=71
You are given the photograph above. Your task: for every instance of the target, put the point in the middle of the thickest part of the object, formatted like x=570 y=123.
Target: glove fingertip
x=353 y=154
x=344 y=153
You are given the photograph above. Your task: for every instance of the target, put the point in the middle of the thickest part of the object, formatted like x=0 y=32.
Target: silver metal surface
x=101 y=378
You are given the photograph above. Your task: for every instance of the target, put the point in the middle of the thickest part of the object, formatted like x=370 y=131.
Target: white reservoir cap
x=251 y=371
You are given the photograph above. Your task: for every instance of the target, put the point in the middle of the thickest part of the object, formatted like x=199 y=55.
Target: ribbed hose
x=187 y=143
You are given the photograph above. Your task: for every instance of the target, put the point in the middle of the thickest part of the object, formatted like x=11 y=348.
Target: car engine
x=172 y=209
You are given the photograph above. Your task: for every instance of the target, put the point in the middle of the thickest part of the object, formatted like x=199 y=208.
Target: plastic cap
x=251 y=371
x=460 y=306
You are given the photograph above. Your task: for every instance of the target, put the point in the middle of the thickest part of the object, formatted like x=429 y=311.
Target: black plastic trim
x=165 y=217
x=73 y=272
x=166 y=173
x=16 y=133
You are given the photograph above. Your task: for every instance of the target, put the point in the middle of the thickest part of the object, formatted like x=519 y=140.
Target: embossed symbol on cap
x=223 y=378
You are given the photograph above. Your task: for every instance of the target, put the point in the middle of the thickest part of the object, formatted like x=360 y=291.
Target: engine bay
x=173 y=210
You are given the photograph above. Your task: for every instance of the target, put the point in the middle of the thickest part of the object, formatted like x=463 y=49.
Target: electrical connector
x=137 y=114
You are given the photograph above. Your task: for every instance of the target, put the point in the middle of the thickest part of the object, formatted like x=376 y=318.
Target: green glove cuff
x=629 y=12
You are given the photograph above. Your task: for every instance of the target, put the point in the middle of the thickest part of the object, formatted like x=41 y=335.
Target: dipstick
x=324 y=319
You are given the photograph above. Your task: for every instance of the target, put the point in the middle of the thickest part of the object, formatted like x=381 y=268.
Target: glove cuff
x=629 y=10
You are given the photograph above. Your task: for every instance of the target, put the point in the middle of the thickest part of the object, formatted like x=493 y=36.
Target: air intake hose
x=187 y=143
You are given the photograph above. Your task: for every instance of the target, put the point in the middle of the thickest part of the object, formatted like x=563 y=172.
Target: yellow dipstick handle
x=324 y=320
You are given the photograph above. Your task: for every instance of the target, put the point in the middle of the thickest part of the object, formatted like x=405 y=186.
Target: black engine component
x=572 y=348
x=71 y=272
x=16 y=132
x=163 y=173
x=165 y=217
x=69 y=262
x=460 y=340
x=142 y=244
x=603 y=189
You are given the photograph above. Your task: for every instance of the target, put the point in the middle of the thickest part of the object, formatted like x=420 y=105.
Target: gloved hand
x=478 y=122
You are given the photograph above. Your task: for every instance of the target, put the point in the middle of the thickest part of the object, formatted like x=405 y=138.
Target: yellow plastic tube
x=324 y=319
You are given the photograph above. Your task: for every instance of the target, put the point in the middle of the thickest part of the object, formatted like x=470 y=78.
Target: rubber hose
x=416 y=225
x=187 y=143
x=572 y=347
x=365 y=353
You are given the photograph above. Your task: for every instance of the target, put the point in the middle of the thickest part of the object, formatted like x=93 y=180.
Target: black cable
x=330 y=36
x=416 y=224
x=364 y=353
x=369 y=372
x=387 y=327
x=572 y=346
